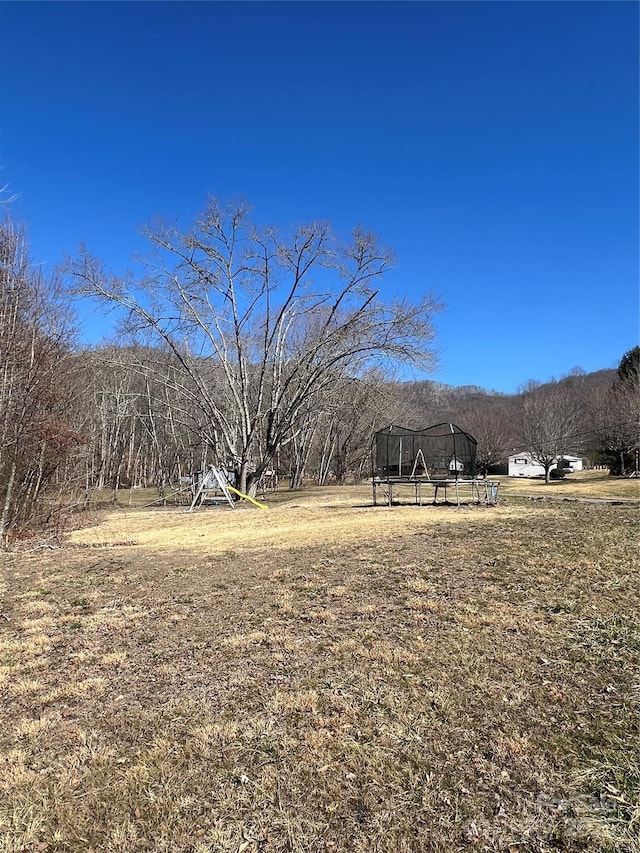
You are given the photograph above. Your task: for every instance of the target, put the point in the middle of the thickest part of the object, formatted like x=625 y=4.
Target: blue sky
x=494 y=146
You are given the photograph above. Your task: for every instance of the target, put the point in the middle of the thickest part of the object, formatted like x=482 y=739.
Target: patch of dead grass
x=420 y=679
x=346 y=516
x=580 y=484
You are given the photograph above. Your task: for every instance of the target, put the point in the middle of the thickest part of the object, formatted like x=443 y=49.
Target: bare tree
x=134 y=430
x=616 y=424
x=551 y=422
x=35 y=432
x=616 y=417
x=333 y=439
x=360 y=407
x=492 y=428
x=259 y=326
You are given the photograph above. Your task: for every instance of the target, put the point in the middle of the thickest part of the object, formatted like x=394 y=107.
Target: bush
x=557 y=474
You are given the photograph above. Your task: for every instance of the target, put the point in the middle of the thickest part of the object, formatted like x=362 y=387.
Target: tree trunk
x=243 y=473
x=4 y=522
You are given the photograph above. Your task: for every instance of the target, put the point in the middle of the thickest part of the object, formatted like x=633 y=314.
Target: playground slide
x=247 y=498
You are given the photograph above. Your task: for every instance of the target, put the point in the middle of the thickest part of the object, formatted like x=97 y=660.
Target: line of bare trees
x=137 y=432
x=247 y=347
x=35 y=400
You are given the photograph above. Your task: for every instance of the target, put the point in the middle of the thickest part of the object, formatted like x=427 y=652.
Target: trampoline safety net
x=439 y=452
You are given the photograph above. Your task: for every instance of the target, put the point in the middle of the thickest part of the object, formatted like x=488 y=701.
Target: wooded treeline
x=254 y=350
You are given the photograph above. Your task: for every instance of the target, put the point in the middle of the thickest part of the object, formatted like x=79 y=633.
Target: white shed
x=522 y=465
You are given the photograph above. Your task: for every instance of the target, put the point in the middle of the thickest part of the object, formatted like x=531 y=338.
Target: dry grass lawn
x=581 y=484
x=325 y=676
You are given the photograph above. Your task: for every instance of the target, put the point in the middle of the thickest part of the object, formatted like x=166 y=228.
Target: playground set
x=215 y=486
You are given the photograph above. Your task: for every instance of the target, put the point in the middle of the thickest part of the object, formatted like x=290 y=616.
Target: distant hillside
x=490 y=416
x=430 y=393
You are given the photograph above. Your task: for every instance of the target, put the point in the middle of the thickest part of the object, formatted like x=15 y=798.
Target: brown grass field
x=327 y=676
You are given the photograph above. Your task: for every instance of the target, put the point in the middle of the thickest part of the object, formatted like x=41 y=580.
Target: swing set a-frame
x=215 y=488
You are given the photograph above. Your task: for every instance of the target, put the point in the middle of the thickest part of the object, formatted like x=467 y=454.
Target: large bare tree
x=259 y=325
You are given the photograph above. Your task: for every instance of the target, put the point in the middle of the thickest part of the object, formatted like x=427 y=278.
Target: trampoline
x=442 y=456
